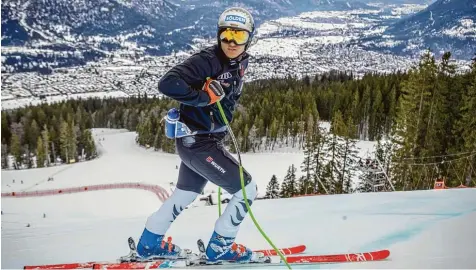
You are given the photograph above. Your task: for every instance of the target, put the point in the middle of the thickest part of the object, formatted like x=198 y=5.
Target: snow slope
x=423 y=229
x=122 y=160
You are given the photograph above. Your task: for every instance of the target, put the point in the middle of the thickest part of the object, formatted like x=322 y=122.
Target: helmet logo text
x=235 y=18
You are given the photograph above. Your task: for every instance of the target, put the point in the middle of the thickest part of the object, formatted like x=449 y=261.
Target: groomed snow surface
x=422 y=229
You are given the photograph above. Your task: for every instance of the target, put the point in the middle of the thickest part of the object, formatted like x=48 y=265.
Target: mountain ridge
x=445 y=25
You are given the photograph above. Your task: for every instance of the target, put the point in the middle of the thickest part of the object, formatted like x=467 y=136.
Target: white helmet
x=237 y=18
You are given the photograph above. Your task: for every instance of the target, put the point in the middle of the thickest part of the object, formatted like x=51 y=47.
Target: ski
x=285 y=251
x=336 y=258
x=85 y=265
x=133 y=258
x=268 y=262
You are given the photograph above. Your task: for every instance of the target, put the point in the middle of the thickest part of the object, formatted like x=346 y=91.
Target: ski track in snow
x=422 y=229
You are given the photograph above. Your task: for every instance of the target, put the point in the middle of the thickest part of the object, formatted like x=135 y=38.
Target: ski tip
x=380 y=254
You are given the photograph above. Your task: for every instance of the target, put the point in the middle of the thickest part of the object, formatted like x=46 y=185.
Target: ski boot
x=222 y=248
x=153 y=246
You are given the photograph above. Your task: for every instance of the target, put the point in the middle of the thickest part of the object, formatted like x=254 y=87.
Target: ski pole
x=219 y=201
x=222 y=114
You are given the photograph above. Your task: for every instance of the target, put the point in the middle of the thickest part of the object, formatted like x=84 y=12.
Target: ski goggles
x=240 y=37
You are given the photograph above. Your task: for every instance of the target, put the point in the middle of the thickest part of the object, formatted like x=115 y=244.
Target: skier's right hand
x=214 y=90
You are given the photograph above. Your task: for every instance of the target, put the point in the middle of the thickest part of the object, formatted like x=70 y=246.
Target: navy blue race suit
x=203 y=155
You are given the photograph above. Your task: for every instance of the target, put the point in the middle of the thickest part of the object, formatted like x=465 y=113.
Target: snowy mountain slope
x=423 y=229
x=134 y=163
x=79 y=31
x=136 y=31
x=307 y=43
x=445 y=25
x=442 y=14
x=155 y=26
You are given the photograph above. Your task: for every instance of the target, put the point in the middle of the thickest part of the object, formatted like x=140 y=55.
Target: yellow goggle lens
x=240 y=37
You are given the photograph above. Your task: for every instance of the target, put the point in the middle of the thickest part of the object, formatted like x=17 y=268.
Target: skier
x=211 y=75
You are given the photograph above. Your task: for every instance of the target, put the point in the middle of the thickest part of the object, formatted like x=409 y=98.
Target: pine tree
x=272 y=190
x=467 y=125
x=345 y=156
x=377 y=117
x=319 y=141
x=468 y=112
x=89 y=146
x=15 y=147
x=40 y=153
x=252 y=139
x=72 y=141
x=274 y=130
x=32 y=132
x=26 y=158
x=306 y=168
x=46 y=142
x=4 y=152
x=349 y=157
x=64 y=142
x=414 y=114
x=306 y=181
x=6 y=132
x=289 y=188
x=449 y=97
x=391 y=111
x=383 y=154
x=365 y=113
x=365 y=181
x=158 y=139
x=54 y=139
x=245 y=141
x=334 y=151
